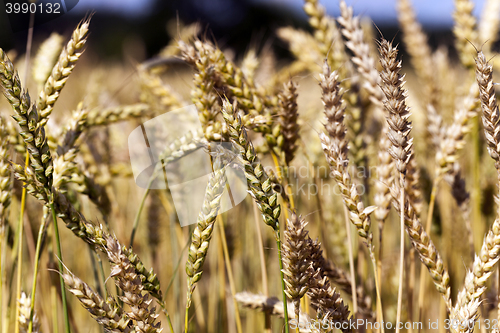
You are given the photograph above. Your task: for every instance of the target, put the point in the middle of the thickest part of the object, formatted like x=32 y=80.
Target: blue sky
x=430 y=12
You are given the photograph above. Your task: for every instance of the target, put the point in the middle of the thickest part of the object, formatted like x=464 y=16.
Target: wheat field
x=368 y=175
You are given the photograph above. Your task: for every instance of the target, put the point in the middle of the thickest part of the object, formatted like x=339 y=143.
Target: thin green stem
x=67 y=328
x=285 y=306
x=35 y=273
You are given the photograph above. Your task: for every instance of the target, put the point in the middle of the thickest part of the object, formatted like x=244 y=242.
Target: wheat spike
x=61 y=71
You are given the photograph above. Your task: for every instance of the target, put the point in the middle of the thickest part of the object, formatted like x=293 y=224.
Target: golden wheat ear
x=61 y=71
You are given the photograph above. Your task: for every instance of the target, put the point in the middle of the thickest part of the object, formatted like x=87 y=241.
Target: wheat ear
x=27 y=117
x=422 y=242
x=489 y=23
x=453 y=136
x=417 y=46
x=326 y=301
x=46 y=57
x=296 y=265
x=100 y=117
x=335 y=149
x=61 y=71
x=398 y=134
x=489 y=105
x=25 y=314
x=261 y=187
x=288 y=120
x=465 y=32
x=475 y=280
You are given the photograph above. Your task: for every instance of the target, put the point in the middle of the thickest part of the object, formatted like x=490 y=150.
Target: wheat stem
x=351 y=261
x=20 y=247
x=67 y=328
x=401 y=254
x=282 y=276
x=35 y=272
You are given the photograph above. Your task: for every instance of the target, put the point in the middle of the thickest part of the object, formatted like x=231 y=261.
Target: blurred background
x=138 y=28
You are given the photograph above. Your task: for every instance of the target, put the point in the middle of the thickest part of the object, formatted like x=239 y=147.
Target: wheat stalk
x=61 y=71
x=202 y=234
